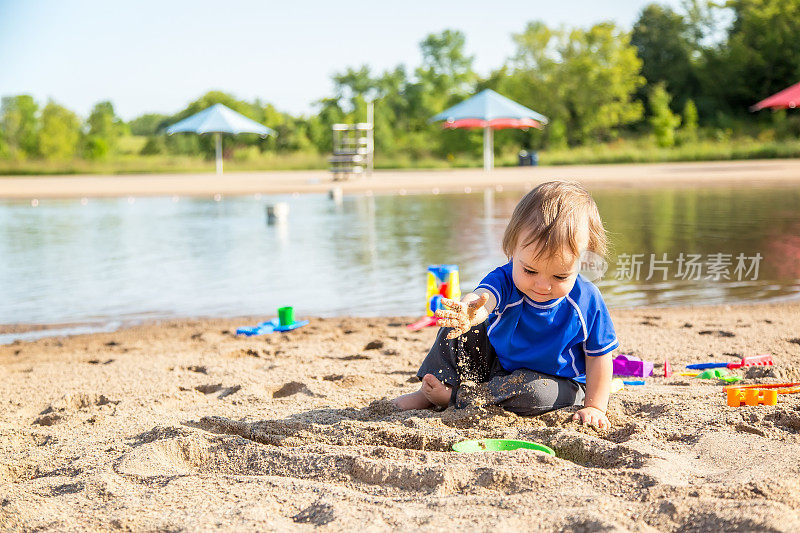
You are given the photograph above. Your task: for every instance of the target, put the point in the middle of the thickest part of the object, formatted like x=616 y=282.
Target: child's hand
x=461 y=316
x=592 y=416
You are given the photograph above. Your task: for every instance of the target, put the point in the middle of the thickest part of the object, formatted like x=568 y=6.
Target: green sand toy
x=286 y=316
x=719 y=373
x=499 y=445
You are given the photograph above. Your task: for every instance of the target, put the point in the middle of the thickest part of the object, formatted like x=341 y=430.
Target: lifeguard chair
x=353 y=148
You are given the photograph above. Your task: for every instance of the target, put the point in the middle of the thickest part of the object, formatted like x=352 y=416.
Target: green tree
x=446 y=73
x=60 y=133
x=104 y=122
x=763 y=46
x=155 y=145
x=148 y=124
x=278 y=122
x=392 y=116
x=445 y=77
x=95 y=148
x=599 y=78
x=330 y=113
x=688 y=131
x=352 y=88
x=662 y=119
x=663 y=43
x=403 y=104
x=757 y=58
x=707 y=22
x=105 y=129
x=19 y=125
x=585 y=78
x=557 y=134
x=529 y=77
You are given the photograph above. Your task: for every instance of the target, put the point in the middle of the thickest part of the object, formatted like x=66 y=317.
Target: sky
x=149 y=56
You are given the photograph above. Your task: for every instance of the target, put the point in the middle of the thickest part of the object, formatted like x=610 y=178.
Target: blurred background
x=89 y=86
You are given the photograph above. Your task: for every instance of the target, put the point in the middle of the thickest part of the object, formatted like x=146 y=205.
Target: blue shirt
x=552 y=337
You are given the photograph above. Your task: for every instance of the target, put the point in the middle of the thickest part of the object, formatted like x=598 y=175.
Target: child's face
x=544 y=278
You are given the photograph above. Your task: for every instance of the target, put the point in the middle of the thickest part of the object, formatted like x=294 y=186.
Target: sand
x=773 y=173
x=181 y=425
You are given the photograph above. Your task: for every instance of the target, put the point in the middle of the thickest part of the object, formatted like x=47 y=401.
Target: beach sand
x=761 y=173
x=181 y=425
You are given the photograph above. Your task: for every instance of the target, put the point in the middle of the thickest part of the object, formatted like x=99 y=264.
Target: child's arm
x=598 y=388
x=473 y=309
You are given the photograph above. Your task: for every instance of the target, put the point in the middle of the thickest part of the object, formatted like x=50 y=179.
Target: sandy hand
x=592 y=416
x=461 y=316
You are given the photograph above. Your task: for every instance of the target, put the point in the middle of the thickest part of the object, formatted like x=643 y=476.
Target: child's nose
x=541 y=284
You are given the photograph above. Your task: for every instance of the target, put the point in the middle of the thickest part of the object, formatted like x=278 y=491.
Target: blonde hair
x=552 y=215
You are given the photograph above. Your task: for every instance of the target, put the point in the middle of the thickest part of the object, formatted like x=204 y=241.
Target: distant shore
x=773 y=172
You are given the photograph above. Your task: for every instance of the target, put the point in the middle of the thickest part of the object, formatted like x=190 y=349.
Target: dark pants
x=471 y=357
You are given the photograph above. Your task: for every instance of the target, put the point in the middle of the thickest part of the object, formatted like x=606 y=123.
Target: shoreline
x=30 y=332
x=762 y=173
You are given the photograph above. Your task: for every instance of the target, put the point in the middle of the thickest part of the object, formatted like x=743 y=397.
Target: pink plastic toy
x=628 y=365
x=752 y=360
x=667 y=369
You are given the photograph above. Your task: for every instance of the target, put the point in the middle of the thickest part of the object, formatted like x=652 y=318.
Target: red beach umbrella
x=495 y=124
x=788 y=98
x=489 y=111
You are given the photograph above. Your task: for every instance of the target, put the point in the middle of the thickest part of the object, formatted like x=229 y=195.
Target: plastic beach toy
x=442 y=283
x=706 y=366
x=628 y=365
x=617 y=384
x=270 y=326
x=286 y=316
x=499 y=445
x=718 y=373
x=751 y=396
x=782 y=388
x=762 y=394
x=753 y=360
x=748 y=360
x=284 y=322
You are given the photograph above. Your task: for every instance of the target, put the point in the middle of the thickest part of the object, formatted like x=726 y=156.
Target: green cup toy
x=499 y=445
x=286 y=316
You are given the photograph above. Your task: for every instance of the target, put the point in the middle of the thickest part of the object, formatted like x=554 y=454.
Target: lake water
x=109 y=260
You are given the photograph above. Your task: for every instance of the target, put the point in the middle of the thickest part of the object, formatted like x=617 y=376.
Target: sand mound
x=290 y=389
x=60 y=409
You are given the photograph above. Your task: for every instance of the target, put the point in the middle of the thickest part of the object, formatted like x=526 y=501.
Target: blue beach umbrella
x=490 y=111
x=219 y=119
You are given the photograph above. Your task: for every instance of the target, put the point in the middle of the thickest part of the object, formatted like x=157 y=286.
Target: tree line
x=676 y=75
